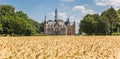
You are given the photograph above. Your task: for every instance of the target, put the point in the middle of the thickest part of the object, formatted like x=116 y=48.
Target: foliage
x=18 y=23
x=1 y=28
x=88 y=24
x=42 y=27
x=94 y=24
x=107 y=23
x=112 y=17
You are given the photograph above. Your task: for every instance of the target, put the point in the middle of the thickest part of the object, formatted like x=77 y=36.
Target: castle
x=59 y=27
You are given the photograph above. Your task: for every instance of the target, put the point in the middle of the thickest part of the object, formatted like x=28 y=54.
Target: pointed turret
x=45 y=20
x=45 y=25
x=67 y=22
x=74 y=23
x=56 y=15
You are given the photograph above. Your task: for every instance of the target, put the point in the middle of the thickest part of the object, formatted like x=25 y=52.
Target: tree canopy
x=105 y=24
x=19 y=23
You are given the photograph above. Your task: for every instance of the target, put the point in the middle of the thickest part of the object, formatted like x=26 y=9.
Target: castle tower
x=74 y=27
x=45 y=27
x=68 y=21
x=56 y=15
x=45 y=20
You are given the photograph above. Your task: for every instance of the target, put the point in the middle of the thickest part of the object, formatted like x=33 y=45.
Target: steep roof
x=67 y=22
x=52 y=23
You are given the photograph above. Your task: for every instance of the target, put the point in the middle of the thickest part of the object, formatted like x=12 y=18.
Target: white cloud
x=64 y=6
x=78 y=8
x=61 y=15
x=72 y=17
x=67 y=0
x=114 y=3
x=64 y=16
x=83 y=9
x=89 y=11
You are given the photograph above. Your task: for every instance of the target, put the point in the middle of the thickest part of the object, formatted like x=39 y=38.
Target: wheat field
x=60 y=47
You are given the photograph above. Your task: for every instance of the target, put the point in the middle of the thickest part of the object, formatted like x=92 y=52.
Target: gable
x=56 y=24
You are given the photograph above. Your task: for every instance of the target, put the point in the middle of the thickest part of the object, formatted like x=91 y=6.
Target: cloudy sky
x=74 y=9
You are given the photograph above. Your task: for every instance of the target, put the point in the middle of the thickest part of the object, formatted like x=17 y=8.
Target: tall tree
x=42 y=27
x=102 y=26
x=111 y=15
x=21 y=14
x=16 y=22
x=94 y=24
x=118 y=22
x=1 y=29
x=88 y=24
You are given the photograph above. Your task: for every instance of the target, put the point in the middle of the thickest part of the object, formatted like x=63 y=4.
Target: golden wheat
x=60 y=47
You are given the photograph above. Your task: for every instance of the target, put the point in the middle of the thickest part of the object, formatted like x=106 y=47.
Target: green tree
x=88 y=24
x=102 y=26
x=1 y=29
x=111 y=15
x=94 y=24
x=36 y=25
x=6 y=10
x=42 y=27
x=118 y=22
x=19 y=23
x=21 y=14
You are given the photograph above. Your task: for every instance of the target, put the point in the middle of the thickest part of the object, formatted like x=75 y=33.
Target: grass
x=60 y=47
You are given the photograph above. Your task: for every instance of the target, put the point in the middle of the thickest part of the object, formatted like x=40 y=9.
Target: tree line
x=108 y=23
x=17 y=22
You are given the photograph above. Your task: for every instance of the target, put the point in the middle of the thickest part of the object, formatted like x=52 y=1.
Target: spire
x=74 y=23
x=56 y=15
x=45 y=19
x=67 y=22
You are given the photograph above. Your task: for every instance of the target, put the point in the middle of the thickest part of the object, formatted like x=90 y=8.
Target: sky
x=74 y=9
